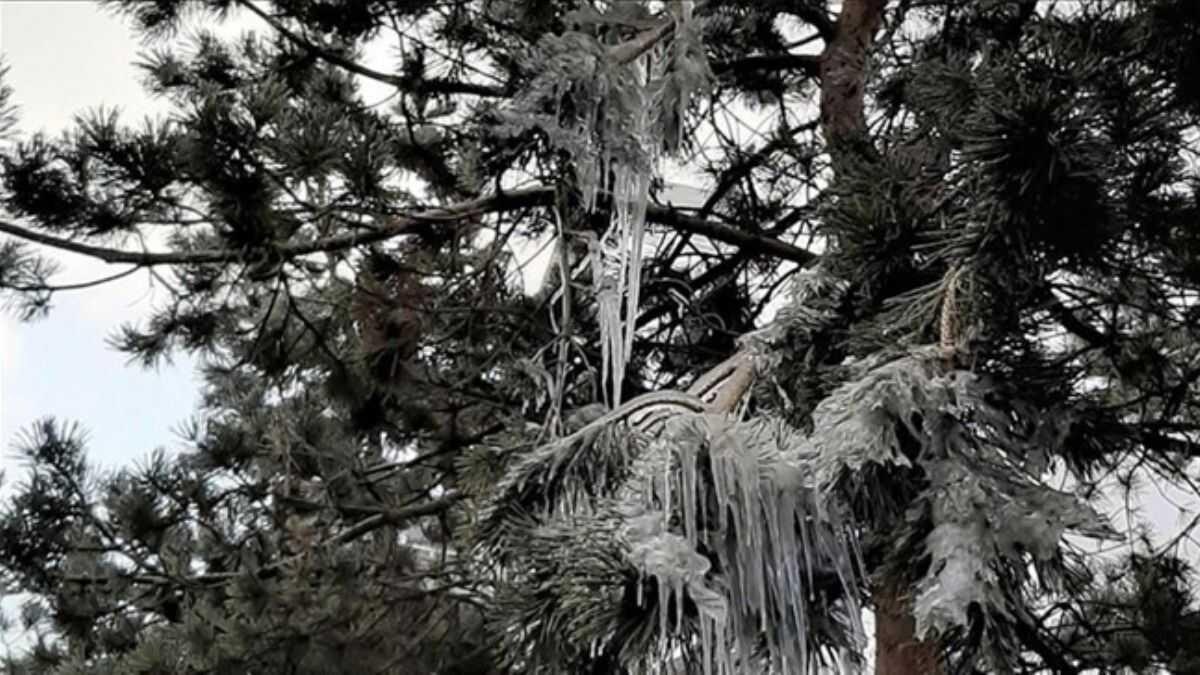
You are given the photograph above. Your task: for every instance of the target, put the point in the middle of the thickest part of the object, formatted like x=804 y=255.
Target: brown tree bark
x=843 y=70
x=843 y=73
x=897 y=650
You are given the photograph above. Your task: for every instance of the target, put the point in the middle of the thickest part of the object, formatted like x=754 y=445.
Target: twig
x=71 y=287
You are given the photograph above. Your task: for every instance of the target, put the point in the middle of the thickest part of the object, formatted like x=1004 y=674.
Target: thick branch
x=397 y=226
x=1074 y=324
x=396 y=517
x=721 y=270
x=1162 y=442
x=448 y=215
x=369 y=524
x=747 y=241
x=631 y=49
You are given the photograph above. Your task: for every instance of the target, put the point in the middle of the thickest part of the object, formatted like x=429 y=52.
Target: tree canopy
x=930 y=294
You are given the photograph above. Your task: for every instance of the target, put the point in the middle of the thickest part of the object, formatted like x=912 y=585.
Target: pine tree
x=405 y=462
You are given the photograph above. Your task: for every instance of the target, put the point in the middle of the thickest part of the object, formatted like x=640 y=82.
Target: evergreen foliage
x=958 y=242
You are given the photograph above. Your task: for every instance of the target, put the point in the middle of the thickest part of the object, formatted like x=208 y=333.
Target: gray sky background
x=65 y=58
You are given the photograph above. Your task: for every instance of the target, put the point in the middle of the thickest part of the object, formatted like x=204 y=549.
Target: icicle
x=636 y=193
x=612 y=357
x=677 y=591
x=689 y=488
x=621 y=269
x=662 y=605
x=668 y=504
x=770 y=532
x=622 y=243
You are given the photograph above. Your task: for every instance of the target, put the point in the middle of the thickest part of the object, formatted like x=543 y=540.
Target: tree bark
x=897 y=651
x=843 y=73
x=843 y=70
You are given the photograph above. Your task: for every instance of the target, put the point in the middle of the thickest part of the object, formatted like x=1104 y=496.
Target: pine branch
x=379 y=518
x=436 y=85
x=1074 y=324
x=724 y=269
x=746 y=166
x=1034 y=637
x=621 y=54
x=809 y=64
x=1162 y=442
x=54 y=288
x=384 y=517
x=396 y=226
x=730 y=235
x=404 y=224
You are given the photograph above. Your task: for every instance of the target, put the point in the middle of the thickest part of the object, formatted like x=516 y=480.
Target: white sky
x=64 y=58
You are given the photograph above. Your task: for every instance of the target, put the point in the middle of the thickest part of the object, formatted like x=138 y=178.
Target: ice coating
x=727 y=520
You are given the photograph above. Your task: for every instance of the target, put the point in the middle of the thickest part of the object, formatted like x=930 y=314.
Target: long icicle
x=620 y=281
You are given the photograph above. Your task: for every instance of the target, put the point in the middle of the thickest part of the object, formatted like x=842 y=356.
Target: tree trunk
x=843 y=81
x=843 y=70
x=897 y=651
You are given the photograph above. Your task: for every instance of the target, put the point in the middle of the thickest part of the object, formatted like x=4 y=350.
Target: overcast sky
x=64 y=58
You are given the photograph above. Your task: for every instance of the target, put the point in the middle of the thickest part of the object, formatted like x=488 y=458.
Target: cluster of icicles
x=740 y=491
x=760 y=518
x=618 y=259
